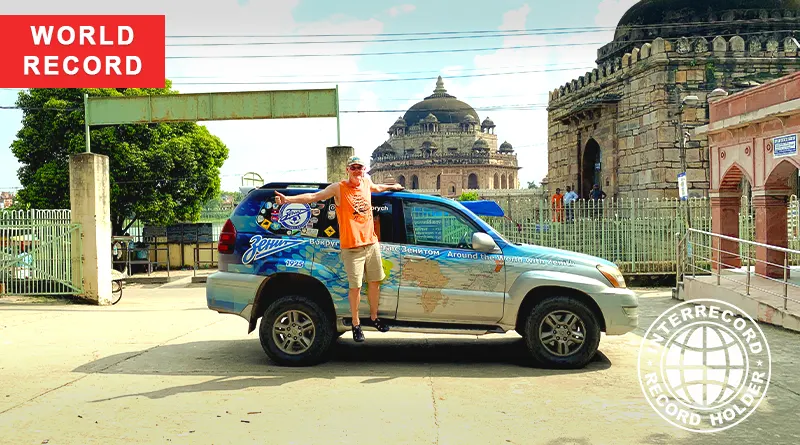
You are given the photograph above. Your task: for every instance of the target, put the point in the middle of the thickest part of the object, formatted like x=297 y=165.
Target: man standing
x=361 y=253
x=597 y=196
x=569 y=202
x=557 y=203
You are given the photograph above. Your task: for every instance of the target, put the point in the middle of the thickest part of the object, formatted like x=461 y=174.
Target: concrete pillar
x=90 y=201
x=771 y=229
x=725 y=221
x=337 y=162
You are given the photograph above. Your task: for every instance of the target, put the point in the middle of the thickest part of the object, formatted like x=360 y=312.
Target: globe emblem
x=704 y=365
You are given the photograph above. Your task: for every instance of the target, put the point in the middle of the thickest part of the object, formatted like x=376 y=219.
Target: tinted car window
x=431 y=224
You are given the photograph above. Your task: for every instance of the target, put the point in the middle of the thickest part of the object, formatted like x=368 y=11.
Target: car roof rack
x=286 y=185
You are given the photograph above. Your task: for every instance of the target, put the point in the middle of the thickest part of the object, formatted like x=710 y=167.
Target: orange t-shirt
x=354 y=212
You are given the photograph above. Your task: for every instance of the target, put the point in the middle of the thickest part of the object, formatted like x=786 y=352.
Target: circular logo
x=702 y=367
x=294 y=216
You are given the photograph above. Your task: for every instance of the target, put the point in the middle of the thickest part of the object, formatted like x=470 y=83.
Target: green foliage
x=159 y=173
x=532 y=185
x=469 y=196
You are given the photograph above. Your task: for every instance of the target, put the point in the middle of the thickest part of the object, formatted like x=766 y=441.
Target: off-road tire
x=541 y=353
x=324 y=335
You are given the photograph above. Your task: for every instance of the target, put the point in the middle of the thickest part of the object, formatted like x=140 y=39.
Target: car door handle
x=416 y=258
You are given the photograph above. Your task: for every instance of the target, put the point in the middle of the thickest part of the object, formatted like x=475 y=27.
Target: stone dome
x=488 y=123
x=480 y=145
x=699 y=18
x=446 y=108
x=505 y=147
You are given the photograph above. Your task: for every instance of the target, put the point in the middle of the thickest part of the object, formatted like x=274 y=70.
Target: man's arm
x=378 y=188
x=307 y=198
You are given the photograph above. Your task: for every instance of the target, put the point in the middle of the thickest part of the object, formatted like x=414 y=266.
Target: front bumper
x=233 y=293
x=620 y=308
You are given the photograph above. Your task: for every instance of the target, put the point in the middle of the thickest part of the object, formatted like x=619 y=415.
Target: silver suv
x=447 y=271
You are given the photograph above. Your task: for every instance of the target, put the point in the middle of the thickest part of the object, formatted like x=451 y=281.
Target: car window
x=430 y=224
x=383 y=217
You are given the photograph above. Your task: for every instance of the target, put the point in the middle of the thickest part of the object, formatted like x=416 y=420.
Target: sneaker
x=358 y=335
x=380 y=325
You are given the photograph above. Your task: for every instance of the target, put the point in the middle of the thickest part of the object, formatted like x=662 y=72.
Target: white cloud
x=526 y=129
x=394 y=11
x=287 y=149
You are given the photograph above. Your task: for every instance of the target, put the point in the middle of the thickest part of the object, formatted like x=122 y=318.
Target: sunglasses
x=356 y=167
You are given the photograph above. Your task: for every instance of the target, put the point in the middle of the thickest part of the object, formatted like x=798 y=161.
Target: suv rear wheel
x=295 y=331
x=562 y=332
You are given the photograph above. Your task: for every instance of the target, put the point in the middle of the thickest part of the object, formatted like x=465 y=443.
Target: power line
x=411 y=79
x=494 y=31
x=439 y=51
x=383 y=53
x=293 y=76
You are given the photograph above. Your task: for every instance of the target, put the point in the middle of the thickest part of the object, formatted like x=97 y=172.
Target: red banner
x=82 y=51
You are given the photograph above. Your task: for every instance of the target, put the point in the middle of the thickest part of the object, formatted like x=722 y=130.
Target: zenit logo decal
x=261 y=247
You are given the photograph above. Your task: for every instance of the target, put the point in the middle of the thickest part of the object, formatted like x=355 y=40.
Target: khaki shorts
x=361 y=261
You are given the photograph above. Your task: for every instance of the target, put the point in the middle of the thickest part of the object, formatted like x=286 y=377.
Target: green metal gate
x=36 y=253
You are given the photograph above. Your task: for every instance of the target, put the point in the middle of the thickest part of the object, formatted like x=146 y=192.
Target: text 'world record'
x=75 y=51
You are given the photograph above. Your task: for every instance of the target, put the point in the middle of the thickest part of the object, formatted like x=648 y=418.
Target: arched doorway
x=496 y=182
x=438 y=182
x=590 y=168
x=401 y=180
x=472 y=181
x=503 y=183
x=414 y=182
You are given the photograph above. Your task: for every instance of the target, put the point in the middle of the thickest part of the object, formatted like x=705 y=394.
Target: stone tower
x=619 y=125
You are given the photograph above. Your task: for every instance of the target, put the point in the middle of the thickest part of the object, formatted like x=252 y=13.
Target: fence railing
x=36 y=253
x=733 y=261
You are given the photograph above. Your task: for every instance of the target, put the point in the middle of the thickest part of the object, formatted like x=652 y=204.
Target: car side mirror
x=483 y=242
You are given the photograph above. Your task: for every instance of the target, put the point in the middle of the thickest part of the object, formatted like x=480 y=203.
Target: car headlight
x=613 y=275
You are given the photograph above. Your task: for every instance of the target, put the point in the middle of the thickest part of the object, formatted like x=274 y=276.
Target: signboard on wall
x=683 y=187
x=784 y=146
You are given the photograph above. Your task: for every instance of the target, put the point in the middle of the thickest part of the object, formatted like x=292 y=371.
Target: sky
x=294 y=149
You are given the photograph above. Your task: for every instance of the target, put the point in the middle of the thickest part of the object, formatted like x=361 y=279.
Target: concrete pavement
x=161 y=368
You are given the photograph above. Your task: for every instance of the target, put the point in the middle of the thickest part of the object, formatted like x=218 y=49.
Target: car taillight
x=227 y=238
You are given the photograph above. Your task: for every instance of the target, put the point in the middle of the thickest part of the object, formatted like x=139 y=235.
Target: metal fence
x=639 y=235
x=36 y=253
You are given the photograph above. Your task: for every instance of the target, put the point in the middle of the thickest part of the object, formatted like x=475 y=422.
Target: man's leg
x=354 y=296
x=373 y=294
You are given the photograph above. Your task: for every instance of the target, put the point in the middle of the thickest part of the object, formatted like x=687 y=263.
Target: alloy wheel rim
x=562 y=332
x=293 y=332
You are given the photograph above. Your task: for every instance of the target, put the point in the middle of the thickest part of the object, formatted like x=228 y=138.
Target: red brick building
x=753 y=135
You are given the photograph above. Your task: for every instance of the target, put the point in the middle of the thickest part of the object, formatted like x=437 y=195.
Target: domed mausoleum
x=441 y=144
x=619 y=125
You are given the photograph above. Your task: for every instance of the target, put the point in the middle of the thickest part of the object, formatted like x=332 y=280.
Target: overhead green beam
x=212 y=106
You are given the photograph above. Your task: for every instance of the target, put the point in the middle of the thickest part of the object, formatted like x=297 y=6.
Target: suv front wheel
x=562 y=332
x=295 y=331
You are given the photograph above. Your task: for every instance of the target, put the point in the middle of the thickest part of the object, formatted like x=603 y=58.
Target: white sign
x=784 y=146
x=683 y=187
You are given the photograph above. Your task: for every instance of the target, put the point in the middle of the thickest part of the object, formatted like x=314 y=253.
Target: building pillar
x=771 y=229
x=725 y=221
x=337 y=162
x=90 y=201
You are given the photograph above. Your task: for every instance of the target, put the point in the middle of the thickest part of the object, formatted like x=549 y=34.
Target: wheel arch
x=541 y=293
x=283 y=284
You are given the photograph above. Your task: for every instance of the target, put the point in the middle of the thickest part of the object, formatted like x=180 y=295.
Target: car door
x=443 y=278
x=329 y=268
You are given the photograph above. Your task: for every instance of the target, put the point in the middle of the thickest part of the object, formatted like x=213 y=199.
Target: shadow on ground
x=378 y=360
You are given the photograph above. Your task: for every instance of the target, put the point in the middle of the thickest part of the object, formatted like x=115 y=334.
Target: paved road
x=160 y=368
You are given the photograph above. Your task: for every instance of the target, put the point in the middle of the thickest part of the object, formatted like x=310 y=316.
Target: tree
x=159 y=173
x=469 y=196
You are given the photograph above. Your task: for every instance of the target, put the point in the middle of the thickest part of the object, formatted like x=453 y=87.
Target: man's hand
x=280 y=198
x=396 y=188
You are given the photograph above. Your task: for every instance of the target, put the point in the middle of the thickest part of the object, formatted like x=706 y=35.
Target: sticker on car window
x=294 y=216
x=261 y=247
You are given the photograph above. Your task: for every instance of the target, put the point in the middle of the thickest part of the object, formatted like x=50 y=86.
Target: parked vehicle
x=447 y=271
